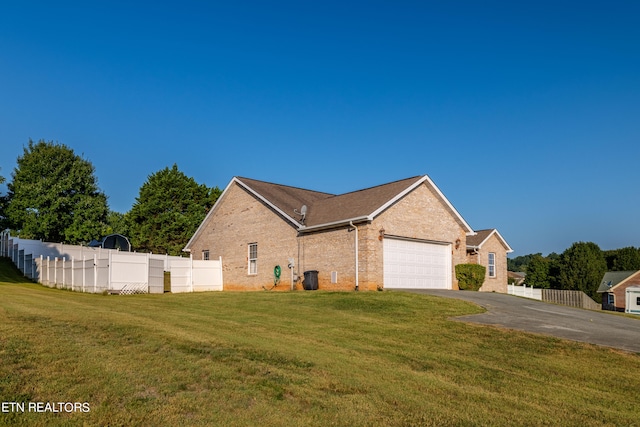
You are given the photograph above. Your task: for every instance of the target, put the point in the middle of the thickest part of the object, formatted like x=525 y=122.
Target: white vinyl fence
x=525 y=291
x=97 y=270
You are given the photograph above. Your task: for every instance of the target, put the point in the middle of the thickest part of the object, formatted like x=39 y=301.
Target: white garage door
x=416 y=265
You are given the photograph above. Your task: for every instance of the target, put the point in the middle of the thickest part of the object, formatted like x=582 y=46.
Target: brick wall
x=238 y=221
x=241 y=219
x=500 y=281
x=421 y=215
x=620 y=293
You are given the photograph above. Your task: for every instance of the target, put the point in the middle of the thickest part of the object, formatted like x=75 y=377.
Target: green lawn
x=294 y=359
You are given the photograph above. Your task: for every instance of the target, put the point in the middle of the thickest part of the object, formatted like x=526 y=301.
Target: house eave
x=334 y=224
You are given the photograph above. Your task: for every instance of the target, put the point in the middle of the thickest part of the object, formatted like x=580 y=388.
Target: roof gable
x=482 y=236
x=355 y=205
x=286 y=200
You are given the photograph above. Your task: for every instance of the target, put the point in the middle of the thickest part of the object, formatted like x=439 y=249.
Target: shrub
x=470 y=276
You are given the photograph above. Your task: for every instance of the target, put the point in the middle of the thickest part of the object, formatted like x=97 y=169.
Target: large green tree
x=625 y=259
x=116 y=223
x=581 y=268
x=3 y=200
x=168 y=211
x=54 y=196
x=538 y=272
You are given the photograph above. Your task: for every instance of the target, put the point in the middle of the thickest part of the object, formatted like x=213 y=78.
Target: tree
x=115 y=224
x=538 y=272
x=168 y=211
x=3 y=202
x=626 y=259
x=54 y=196
x=519 y=263
x=581 y=268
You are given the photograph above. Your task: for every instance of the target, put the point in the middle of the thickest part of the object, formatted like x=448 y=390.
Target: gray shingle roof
x=613 y=278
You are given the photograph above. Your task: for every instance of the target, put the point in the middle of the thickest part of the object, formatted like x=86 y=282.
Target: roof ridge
x=380 y=185
x=241 y=178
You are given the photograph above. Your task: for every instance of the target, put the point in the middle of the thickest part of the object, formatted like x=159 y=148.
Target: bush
x=470 y=276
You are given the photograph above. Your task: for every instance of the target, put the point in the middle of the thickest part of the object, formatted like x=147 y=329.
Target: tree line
x=53 y=195
x=580 y=267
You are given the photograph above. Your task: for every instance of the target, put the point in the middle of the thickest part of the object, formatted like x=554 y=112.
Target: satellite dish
x=302 y=213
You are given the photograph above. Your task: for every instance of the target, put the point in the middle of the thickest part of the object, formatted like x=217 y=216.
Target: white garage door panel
x=416 y=265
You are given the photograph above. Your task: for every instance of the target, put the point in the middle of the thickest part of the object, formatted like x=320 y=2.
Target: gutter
x=356 y=230
x=304 y=229
x=475 y=249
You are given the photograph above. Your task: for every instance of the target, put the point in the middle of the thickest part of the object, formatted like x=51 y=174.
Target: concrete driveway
x=508 y=311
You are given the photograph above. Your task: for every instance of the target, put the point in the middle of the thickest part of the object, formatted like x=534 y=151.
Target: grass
x=294 y=359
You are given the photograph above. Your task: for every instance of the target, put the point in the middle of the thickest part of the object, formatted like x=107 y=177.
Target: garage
x=412 y=264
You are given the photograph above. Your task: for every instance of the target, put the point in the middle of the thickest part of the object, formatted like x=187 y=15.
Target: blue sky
x=525 y=114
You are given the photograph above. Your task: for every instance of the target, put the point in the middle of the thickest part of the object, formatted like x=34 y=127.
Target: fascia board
x=438 y=192
x=267 y=202
x=486 y=238
x=206 y=218
x=497 y=233
x=504 y=242
x=334 y=224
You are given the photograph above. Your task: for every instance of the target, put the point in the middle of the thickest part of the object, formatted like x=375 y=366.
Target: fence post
x=221 y=277
x=109 y=273
x=191 y=270
x=95 y=272
x=148 y=272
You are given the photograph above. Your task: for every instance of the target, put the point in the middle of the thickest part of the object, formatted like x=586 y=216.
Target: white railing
x=96 y=270
x=525 y=291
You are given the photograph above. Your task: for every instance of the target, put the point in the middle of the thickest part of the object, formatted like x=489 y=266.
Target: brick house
x=486 y=248
x=621 y=291
x=404 y=234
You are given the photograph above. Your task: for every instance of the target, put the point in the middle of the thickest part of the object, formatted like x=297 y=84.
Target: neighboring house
x=516 y=277
x=620 y=291
x=404 y=234
x=486 y=248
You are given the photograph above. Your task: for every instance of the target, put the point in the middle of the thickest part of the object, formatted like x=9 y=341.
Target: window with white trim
x=491 y=266
x=253 y=258
x=611 y=300
x=205 y=254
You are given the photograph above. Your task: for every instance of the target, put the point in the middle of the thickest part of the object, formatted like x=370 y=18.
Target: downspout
x=356 y=229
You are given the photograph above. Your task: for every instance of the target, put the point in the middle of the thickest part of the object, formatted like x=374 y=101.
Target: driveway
x=509 y=311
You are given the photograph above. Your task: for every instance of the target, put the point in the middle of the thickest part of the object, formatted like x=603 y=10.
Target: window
x=638 y=301
x=253 y=258
x=492 y=264
x=611 y=299
x=205 y=254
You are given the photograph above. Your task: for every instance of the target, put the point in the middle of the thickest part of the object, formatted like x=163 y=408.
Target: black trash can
x=310 y=282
